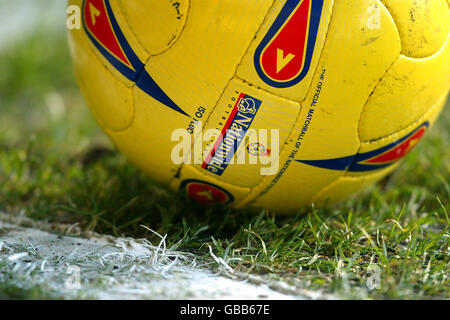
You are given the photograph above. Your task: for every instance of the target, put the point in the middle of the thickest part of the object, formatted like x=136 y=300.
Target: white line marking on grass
x=74 y=267
x=36 y=254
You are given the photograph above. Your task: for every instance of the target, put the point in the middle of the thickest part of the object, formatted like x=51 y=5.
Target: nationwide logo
x=232 y=134
x=284 y=56
x=103 y=30
x=206 y=193
x=374 y=160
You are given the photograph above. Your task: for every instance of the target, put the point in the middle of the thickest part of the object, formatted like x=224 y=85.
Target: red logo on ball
x=99 y=25
x=206 y=193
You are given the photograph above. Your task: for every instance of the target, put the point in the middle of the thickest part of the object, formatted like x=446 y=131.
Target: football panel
x=245 y=114
x=346 y=185
x=326 y=135
x=127 y=28
x=195 y=71
x=111 y=39
x=380 y=157
x=277 y=63
x=424 y=25
x=156 y=24
x=109 y=99
x=385 y=151
x=147 y=141
x=407 y=91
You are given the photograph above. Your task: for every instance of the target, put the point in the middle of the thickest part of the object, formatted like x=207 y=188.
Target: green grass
x=56 y=164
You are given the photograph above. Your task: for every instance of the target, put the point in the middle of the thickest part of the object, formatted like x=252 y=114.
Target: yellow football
x=264 y=103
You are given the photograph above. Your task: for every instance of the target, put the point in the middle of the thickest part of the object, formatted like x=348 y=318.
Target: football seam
x=410 y=126
x=179 y=35
x=125 y=18
x=378 y=84
x=381 y=78
x=139 y=41
x=239 y=63
x=394 y=165
x=401 y=36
